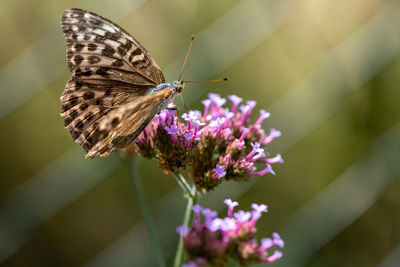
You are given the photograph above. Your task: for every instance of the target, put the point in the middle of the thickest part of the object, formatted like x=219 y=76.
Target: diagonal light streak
x=392 y=259
x=343 y=201
x=371 y=40
x=12 y=209
x=313 y=121
x=47 y=192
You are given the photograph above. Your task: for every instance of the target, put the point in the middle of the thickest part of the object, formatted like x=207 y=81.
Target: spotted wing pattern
x=135 y=116
x=109 y=69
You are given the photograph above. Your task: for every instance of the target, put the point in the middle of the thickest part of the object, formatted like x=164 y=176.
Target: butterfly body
x=116 y=87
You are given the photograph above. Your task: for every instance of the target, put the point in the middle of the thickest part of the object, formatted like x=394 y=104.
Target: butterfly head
x=179 y=86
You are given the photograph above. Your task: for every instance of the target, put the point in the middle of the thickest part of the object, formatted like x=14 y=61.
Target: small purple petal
x=242 y=216
x=228 y=224
x=256 y=148
x=209 y=213
x=197 y=123
x=220 y=171
x=217 y=99
x=272 y=135
x=190 y=264
x=259 y=208
x=231 y=205
x=275 y=133
x=268 y=169
x=244 y=133
x=244 y=108
x=259 y=155
x=251 y=103
x=206 y=102
x=276 y=159
x=255 y=215
x=188 y=136
x=217 y=122
x=171 y=130
x=197 y=208
x=276 y=256
x=263 y=116
x=182 y=229
x=235 y=99
x=255 y=145
x=266 y=243
x=215 y=225
x=278 y=240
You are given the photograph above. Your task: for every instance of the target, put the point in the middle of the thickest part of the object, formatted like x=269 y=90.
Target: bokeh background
x=328 y=71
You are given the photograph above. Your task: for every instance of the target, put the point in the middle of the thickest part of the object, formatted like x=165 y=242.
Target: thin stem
x=184 y=184
x=187 y=220
x=154 y=241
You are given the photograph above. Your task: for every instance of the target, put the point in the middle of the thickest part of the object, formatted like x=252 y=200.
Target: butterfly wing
x=109 y=68
x=129 y=120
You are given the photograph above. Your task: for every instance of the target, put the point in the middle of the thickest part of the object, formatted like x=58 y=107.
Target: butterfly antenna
x=187 y=55
x=209 y=81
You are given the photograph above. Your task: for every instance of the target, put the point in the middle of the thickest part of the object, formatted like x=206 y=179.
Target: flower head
x=216 y=145
x=214 y=241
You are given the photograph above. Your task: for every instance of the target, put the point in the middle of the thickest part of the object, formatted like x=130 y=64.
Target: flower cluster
x=214 y=145
x=214 y=241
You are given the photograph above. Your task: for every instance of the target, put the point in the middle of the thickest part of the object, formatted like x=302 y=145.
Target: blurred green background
x=328 y=71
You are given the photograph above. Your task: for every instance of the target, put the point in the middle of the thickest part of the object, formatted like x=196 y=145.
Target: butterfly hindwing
x=128 y=121
x=109 y=69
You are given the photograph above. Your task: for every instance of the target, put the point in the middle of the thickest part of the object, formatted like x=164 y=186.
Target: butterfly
x=116 y=87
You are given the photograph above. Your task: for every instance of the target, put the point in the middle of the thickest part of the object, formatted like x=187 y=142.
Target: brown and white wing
x=109 y=68
x=127 y=121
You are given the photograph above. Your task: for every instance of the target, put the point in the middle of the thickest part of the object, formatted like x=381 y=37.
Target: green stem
x=187 y=220
x=184 y=184
x=154 y=241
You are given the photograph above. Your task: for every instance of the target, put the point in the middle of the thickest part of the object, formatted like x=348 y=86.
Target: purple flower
x=171 y=130
x=197 y=209
x=276 y=256
x=267 y=243
x=215 y=241
x=206 y=104
x=220 y=136
x=244 y=132
x=235 y=99
x=235 y=102
x=217 y=99
x=277 y=240
x=209 y=216
x=182 y=230
x=219 y=171
x=263 y=116
x=231 y=204
x=268 y=169
x=256 y=149
x=276 y=159
x=259 y=208
x=272 y=135
x=242 y=216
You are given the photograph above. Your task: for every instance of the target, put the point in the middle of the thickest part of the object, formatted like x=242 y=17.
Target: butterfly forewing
x=109 y=69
